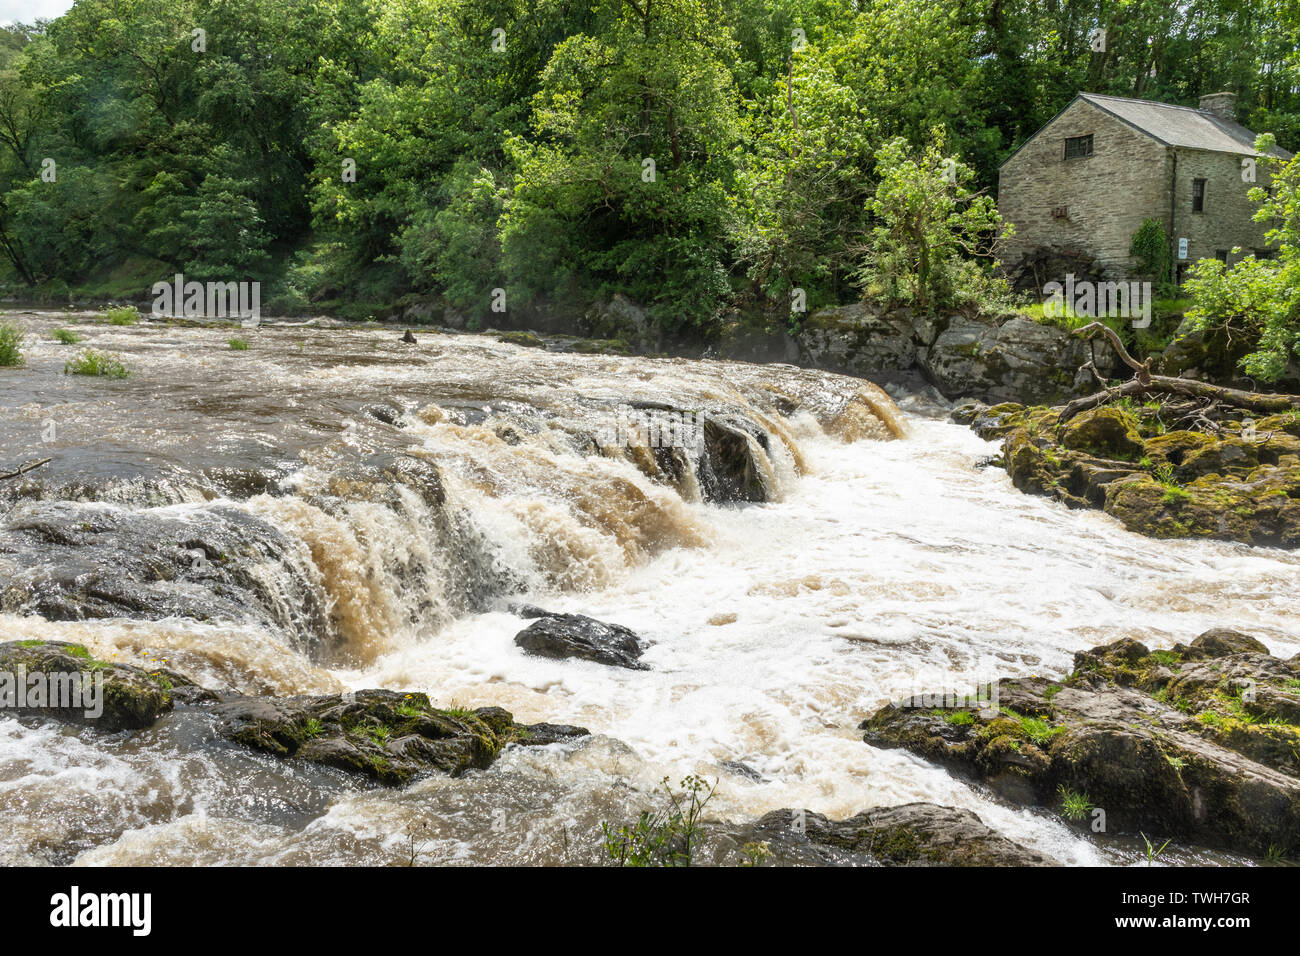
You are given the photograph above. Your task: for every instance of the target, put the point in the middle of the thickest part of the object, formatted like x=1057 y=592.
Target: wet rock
x=729 y=469
x=389 y=736
x=543 y=734
x=106 y=696
x=993 y=358
x=621 y=320
x=859 y=339
x=723 y=450
x=409 y=337
x=529 y=611
x=526 y=339
x=69 y=561
x=997 y=421
x=1166 y=484
x=1174 y=742
x=1008 y=358
x=382 y=412
x=1222 y=641
x=914 y=834
x=965 y=412
x=584 y=638
x=741 y=770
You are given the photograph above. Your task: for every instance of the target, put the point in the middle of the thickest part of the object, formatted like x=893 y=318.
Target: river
x=879 y=566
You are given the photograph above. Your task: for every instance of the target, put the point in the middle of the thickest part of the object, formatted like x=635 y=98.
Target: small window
x=1198 y=195
x=1221 y=255
x=1060 y=212
x=1077 y=147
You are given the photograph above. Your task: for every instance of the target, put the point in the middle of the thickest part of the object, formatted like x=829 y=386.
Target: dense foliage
x=700 y=156
x=1257 y=301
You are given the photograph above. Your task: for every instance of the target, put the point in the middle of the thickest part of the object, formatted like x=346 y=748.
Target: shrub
x=238 y=345
x=91 y=362
x=1150 y=247
x=11 y=345
x=663 y=837
x=65 y=336
x=122 y=315
x=1258 y=300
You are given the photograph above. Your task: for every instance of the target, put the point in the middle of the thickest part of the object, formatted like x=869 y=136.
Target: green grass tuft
x=123 y=315
x=1074 y=805
x=91 y=362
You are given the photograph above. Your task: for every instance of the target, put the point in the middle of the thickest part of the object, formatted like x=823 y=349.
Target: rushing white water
x=886 y=568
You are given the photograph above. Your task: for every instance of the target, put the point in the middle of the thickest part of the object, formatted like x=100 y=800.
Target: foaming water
x=875 y=569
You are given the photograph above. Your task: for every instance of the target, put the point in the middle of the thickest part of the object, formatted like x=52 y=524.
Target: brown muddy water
x=232 y=513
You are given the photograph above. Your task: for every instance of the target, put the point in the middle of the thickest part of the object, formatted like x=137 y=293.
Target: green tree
x=1258 y=299
x=930 y=231
x=628 y=183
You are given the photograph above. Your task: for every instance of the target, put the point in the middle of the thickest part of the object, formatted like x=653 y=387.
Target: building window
x=1198 y=195
x=1221 y=255
x=1076 y=147
x=1060 y=212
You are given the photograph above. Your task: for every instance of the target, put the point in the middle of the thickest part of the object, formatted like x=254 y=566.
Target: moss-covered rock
x=1242 y=484
x=914 y=834
x=389 y=736
x=1107 y=431
x=1198 y=742
x=527 y=339
x=65 y=682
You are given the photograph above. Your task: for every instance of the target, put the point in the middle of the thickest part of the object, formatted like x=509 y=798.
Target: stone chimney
x=1222 y=105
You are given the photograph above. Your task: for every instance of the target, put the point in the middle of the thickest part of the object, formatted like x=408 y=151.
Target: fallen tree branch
x=23 y=469
x=1262 y=403
x=1141 y=369
x=1144 y=383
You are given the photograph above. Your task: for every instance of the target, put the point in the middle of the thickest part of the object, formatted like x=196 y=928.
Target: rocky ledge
x=914 y=834
x=389 y=736
x=993 y=357
x=1199 y=742
x=386 y=735
x=1230 y=477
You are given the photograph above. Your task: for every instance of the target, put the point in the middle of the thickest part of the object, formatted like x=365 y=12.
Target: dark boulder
x=575 y=635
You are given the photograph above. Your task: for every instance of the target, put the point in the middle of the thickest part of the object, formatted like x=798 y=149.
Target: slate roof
x=1181 y=126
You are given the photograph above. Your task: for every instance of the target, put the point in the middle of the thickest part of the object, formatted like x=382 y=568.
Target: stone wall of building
x=1105 y=196
x=1227 y=219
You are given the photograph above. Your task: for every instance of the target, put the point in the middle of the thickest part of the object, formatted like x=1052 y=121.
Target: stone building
x=1079 y=188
